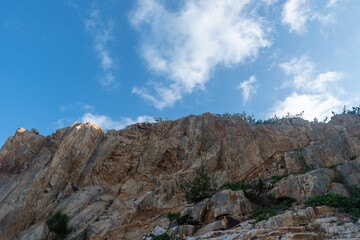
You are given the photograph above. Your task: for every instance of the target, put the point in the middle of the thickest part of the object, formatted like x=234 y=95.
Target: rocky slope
x=121 y=184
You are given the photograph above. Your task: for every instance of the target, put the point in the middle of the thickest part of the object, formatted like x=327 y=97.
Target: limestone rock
x=232 y=203
x=158 y=231
x=210 y=227
x=121 y=184
x=350 y=171
x=306 y=185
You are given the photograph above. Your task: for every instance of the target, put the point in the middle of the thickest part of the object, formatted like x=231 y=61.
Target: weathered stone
x=350 y=171
x=35 y=232
x=197 y=211
x=158 y=231
x=79 y=200
x=293 y=162
x=138 y=169
x=232 y=203
x=132 y=187
x=228 y=222
x=210 y=227
x=183 y=230
x=324 y=211
x=303 y=186
x=338 y=188
x=35 y=131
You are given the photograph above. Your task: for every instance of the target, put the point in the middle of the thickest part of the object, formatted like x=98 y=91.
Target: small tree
x=58 y=224
x=200 y=187
x=259 y=194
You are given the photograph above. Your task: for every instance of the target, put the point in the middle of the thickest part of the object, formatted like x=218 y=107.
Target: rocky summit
x=199 y=177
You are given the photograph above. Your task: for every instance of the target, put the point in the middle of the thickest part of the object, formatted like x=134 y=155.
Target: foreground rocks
x=304 y=223
x=121 y=184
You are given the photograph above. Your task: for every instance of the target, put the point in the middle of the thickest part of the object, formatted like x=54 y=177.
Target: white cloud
x=185 y=46
x=332 y=3
x=314 y=105
x=324 y=81
x=269 y=2
x=296 y=13
x=166 y=96
x=102 y=33
x=248 y=88
x=107 y=122
x=315 y=94
x=301 y=68
x=303 y=72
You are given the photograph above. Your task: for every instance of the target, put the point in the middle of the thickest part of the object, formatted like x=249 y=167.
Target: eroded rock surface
x=121 y=184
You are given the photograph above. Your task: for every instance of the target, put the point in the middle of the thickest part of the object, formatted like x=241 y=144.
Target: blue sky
x=117 y=62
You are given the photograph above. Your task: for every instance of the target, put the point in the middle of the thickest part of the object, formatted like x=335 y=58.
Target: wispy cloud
x=102 y=33
x=332 y=3
x=248 y=88
x=317 y=94
x=107 y=122
x=186 y=45
x=77 y=106
x=296 y=14
x=269 y=2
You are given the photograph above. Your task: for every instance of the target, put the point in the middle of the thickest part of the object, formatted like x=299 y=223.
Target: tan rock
x=209 y=228
x=229 y=202
x=138 y=170
x=306 y=185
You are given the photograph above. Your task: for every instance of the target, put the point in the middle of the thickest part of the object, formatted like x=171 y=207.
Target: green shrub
x=200 y=187
x=235 y=186
x=331 y=200
x=173 y=216
x=259 y=194
x=184 y=220
x=353 y=157
x=349 y=205
x=277 y=207
x=163 y=236
x=334 y=165
x=187 y=220
x=352 y=204
x=58 y=224
x=275 y=179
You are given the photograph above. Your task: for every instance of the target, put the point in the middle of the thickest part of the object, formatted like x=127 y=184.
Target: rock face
x=121 y=184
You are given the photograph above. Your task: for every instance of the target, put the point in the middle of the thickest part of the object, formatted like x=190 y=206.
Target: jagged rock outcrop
x=121 y=184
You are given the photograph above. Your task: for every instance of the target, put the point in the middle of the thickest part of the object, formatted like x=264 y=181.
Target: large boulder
x=310 y=184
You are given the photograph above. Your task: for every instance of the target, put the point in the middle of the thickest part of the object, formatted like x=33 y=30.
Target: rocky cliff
x=121 y=184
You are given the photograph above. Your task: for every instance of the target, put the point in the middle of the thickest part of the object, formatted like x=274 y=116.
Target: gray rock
x=35 y=131
x=158 y=231
x=232 y=203
x=303 y=186
x=293 y=161
x=35 y=232
x=351 y=171
x=183 y=230
x=210 y=227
